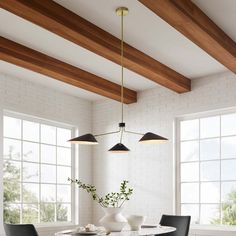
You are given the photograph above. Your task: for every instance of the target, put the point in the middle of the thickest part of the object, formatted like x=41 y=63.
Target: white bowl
x=135 y=221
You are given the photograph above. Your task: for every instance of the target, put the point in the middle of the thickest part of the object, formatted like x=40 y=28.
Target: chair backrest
x=20 y=230
x=181 y=223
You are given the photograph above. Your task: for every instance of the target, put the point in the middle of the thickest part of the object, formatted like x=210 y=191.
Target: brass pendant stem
x=122 y=67
x=122 y=11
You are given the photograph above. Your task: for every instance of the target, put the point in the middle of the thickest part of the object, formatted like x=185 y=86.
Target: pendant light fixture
x=149 y=137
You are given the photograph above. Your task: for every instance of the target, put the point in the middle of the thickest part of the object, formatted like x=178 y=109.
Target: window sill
x=216 y=230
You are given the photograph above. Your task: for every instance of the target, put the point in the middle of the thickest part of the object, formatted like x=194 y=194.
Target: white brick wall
x=149 y=168
x=26 y=97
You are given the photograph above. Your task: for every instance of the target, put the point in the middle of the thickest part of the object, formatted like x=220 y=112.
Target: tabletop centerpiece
x=112 y=204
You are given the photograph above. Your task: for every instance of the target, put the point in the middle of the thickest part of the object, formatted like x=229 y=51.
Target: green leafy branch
x=113 y=199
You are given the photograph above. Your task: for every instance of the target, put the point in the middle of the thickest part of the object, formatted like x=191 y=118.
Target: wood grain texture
x=59 y=20
x=189 y=20
x=38 y=62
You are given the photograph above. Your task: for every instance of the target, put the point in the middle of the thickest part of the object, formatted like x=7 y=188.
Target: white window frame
x=177 y=162
x=74 y=164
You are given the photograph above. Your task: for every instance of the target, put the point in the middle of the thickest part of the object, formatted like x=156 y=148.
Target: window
x=37 y=164
x=207 y=169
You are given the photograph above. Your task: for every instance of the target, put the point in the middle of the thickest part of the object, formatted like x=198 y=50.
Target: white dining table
x=142 y=232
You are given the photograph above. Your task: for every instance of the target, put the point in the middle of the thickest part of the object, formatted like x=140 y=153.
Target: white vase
x=113 y=221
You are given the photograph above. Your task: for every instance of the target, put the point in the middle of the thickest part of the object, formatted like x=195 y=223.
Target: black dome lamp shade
x=152 y=138
x=120 y=147
x=84 y=139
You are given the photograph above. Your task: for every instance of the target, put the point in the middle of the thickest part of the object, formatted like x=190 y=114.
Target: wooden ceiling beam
x=189 y=20
x=38 y=62
x=59 y=20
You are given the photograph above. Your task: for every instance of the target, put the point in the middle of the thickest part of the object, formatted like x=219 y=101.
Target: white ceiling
x=143 y=30
x=222 y=12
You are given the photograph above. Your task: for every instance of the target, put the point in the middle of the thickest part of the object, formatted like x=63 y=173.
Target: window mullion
x=55 y=219
x=220 y=176
x=21 y=182
x=199 y=166
x=39 y=202
x=72 y=188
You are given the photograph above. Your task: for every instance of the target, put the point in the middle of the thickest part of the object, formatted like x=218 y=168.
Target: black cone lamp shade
x=88 y=139
x=119 y=148
x=152 y=138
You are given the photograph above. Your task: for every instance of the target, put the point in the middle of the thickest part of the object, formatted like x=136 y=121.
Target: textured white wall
x=149 y=168
x=28 y=98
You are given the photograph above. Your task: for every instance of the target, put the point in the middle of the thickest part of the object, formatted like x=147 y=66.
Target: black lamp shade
x=119 y=148
x=88 y=139
x=152 y=138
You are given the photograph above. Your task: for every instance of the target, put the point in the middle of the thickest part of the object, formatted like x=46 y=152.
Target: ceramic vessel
x=113 y=221
x=135 y=222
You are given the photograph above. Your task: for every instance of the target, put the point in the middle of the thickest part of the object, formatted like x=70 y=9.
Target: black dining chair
x=20 y=230
x=181 y=223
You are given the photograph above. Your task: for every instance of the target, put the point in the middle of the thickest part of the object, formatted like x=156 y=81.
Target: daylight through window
x=37 y=164
x=208 y=169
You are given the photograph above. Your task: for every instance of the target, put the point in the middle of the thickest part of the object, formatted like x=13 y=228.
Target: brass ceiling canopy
x=122 y=11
